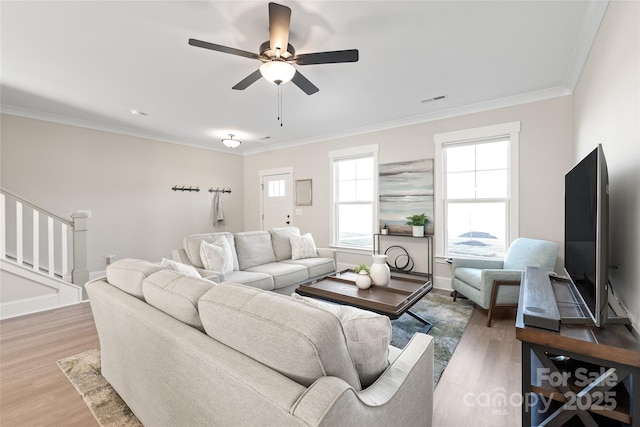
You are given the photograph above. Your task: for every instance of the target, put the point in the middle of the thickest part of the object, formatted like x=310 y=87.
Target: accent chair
x=495 y=284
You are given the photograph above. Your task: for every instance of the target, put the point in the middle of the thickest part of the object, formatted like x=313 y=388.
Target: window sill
x=351 y=250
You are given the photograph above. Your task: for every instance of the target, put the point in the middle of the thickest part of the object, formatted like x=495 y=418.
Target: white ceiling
x=89 y=63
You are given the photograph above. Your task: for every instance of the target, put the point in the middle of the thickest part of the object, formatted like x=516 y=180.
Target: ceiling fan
x=278 y=56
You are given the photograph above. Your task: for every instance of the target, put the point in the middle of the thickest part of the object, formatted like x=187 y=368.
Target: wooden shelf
x=609 y=357
x=428 y=238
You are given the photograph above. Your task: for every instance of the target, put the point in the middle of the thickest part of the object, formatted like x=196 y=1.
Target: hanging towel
x=218 y=211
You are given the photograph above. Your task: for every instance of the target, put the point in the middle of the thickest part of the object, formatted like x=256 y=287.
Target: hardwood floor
x=485 y=367
x=34 y=392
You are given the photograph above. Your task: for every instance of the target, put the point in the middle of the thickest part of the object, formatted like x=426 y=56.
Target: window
x=354 y=189
x=276 y=188
x=477 y=195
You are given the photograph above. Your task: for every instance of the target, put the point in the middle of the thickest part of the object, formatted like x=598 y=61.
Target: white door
x=277 y=201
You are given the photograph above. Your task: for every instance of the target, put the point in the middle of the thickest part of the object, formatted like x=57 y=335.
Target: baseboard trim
x=28 y=305
x=442 y=282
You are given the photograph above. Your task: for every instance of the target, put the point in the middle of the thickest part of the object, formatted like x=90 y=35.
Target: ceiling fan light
x=230 y=142
x=277 y=72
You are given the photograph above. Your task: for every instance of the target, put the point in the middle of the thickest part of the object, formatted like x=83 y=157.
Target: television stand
x=598 y=385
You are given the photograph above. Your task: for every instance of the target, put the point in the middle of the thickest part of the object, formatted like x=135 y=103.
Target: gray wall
x=545 y=155
x=606 y=105
x=124 y=181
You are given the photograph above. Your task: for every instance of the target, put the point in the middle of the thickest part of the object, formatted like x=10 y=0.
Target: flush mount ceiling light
x=230 y=142
x=277 y=72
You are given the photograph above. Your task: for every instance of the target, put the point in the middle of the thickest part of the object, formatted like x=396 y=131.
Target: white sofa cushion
x=127 y=274
x=176 y=294
x=185 y=269
x=191 y=245
x=303 y=247
x=368 y=337
x=254 y=248
x=316 y=267
x=254 y=279
x=284 y=274
x=217 y=255
x=281 y=241
x=301 y=342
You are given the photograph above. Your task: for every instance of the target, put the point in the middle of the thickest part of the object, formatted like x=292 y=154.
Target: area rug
x=109 y=410
x=449 y=320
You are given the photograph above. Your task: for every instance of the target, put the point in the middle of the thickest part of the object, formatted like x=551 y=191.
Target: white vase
x=363 y=281
x=380 y=273
x=418 y=231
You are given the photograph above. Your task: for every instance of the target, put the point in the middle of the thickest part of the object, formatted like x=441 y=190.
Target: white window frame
x=347 y=153
x=509 y=130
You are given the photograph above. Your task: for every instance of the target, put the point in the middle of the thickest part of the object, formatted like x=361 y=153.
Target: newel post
x=80 y=273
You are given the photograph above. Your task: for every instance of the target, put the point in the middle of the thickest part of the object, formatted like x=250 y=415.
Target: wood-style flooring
x=481 y=385
x=34 y=392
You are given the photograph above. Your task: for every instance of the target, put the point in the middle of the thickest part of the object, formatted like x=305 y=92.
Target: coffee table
x=392 y=300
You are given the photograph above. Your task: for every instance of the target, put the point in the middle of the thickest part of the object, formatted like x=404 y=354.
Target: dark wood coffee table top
x=392 y=300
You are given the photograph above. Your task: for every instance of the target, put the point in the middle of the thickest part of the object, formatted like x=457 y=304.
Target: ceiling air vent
x=435 y=98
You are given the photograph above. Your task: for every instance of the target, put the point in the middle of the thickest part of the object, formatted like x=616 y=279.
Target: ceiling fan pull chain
x=280 y=104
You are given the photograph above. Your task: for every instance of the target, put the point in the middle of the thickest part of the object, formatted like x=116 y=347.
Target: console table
x=579 y=375
x=428 y=239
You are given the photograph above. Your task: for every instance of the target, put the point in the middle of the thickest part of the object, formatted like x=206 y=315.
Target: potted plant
x=363 y=281
x=417 y=221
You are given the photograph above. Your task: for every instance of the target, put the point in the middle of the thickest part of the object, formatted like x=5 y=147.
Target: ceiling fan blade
x=248 y=81
x=223 y=49
x=279 y=21
x=333 y=57
x=303 y=83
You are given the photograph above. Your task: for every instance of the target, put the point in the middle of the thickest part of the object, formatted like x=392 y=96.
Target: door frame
x=267 y=172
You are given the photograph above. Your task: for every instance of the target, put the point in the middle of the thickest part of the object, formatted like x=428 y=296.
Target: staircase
x=43 y=257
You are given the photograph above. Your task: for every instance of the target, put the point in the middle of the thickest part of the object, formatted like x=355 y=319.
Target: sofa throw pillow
x=185 y=269
x=368 y=337
x=217 y=256
x=281 y=240
x=303 y=247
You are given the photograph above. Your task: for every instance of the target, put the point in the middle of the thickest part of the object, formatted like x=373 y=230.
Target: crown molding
x=526 y=98
x=535 y=96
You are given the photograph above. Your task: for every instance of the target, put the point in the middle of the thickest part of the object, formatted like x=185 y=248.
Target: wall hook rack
x=218 y=190
x=183 y=188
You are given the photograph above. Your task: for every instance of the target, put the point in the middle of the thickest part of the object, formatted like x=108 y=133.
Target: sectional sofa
x=276 y=260
x=186 y=351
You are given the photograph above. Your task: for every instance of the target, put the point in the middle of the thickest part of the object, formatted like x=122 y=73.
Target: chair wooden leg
x=494 y=297
x=454 y=294
x=492 y=303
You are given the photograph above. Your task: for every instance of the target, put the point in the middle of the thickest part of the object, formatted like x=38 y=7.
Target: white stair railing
x=22 y=235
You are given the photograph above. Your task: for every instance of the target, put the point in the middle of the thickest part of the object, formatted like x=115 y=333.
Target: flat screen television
x=586 y=232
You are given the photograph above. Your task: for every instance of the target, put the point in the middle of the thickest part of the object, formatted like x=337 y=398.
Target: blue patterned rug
x=449 y=321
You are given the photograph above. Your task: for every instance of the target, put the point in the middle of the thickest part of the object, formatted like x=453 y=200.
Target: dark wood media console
x=580 y=374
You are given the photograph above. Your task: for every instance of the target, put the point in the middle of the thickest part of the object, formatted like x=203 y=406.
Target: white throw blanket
x=218 y=211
